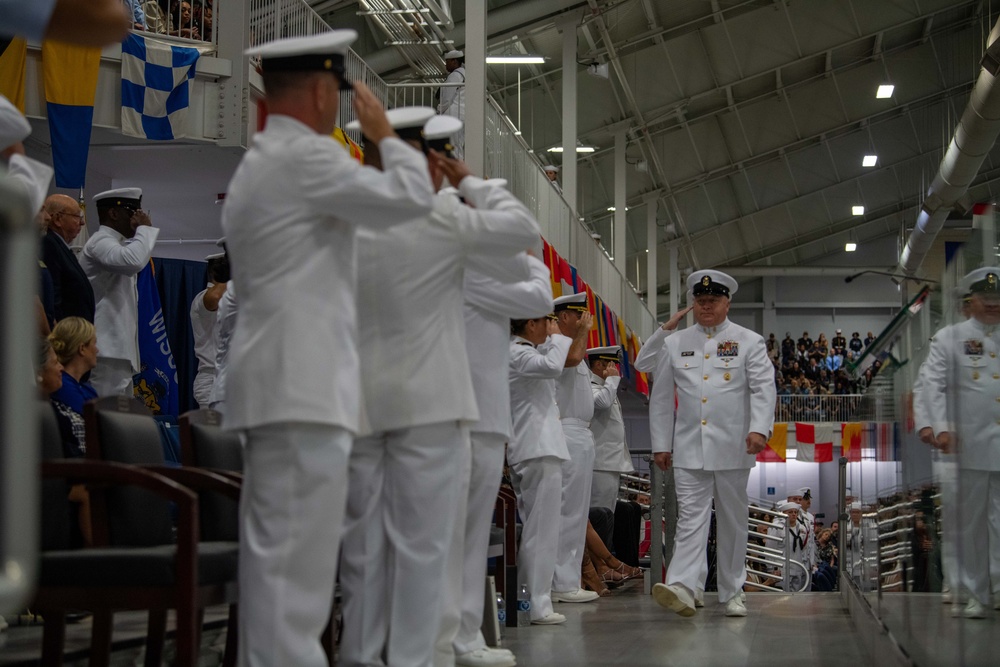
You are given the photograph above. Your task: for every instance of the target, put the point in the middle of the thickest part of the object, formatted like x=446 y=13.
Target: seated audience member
x=203 y=18
x=835 y=361
x=839 y=340
x=805 y=342
x=134 y=10
x=48 y=379
x=156 y=12
x=74 y=342
x=787 y=347
x=869 y=339
x=820 y=349
x=812 y=371
x=601 y=568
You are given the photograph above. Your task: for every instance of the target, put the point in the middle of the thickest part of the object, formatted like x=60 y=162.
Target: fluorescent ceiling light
x=515 y=60
x=579 y=149
x=869 y=161
x=884 y=91
x=850 y=247
x=857 y=210
x=612 y=208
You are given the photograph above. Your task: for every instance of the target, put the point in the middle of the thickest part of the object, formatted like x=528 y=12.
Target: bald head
x=63 y=216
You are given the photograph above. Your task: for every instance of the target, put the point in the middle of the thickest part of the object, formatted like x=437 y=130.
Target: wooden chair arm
x=200 y=479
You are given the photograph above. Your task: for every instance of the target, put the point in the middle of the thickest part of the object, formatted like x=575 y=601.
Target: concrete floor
x=628 y=628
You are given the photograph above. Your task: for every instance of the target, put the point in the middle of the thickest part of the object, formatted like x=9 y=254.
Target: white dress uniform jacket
x=537 y=431
x=111 y=263
x=610 y=449
x=453 y=97
x=725 y=388
x=410 y=296
x=225 y=324
x=573 y=393
x=203 y=331
x=293 y=355
x=489 y=307
x=960 y=390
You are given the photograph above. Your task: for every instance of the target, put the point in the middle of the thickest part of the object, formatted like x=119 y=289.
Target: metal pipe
x=974 y=136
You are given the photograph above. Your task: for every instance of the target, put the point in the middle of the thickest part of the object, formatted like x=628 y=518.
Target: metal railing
x=198 y=30
x=817 y=408
x=274 y=19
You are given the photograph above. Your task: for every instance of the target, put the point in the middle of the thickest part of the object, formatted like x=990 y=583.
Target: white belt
x=570 y=421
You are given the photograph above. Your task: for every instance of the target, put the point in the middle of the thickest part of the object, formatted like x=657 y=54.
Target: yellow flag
x=777 y=447
x=850 y=441
x=13 y=59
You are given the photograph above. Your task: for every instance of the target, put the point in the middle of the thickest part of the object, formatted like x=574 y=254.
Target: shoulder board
x=523 y=343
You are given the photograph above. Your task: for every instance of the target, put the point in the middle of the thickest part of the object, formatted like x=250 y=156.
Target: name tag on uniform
x=729 y=348
x=687 y=354
x=974 y=347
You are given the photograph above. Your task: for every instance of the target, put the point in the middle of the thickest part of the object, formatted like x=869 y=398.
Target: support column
x=475 y=86
x=652 y=238
x=234 y=91
x=567 y=26
x=769 y=321
x=620 y=220
x=675 y=282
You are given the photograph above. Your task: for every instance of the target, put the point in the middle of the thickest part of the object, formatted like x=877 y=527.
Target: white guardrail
x=507 y=156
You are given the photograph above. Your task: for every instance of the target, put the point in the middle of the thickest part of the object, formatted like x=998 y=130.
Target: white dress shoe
x=579 y=595
x=735 y=607
x=551 y=619
x=675 y=598
x=486 y=657
x=699 y=598
x=974 y=609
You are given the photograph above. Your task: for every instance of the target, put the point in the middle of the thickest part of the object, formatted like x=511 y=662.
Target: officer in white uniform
x=962 y=383
x=453 y=97
x=407 y=472
x=611 y=455
x=552 y=172
x=536 y=454
x=725 y=390
x=112 y=259
x=225 y=324
x=489 y=307
x=290 y=218
x=862 y=548
x=576 y=409
x=204 y=308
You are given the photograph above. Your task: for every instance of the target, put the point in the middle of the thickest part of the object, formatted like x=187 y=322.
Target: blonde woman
x=74 y=340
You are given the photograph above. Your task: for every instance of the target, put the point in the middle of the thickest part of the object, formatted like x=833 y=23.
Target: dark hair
x=218 y=270
x=277 y=84
x=517 y=326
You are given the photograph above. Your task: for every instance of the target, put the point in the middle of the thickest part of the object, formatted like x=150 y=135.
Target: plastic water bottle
x=523 y=606
x=502 y=615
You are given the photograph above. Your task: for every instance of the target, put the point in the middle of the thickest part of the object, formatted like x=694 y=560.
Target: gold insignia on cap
x=991 y=278
x=706 y=281
x=328 y=63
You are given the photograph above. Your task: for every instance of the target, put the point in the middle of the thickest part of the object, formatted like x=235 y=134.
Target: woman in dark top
x=74 y=341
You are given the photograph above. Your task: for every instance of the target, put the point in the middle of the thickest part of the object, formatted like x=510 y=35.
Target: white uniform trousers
x=202 y=388
x=538 y=485
x=980 y=521
x=945 y=469
x=463 y=614
x=291 y=516
x=577 y=477
x=112 y=377
x=400 y=519
x=695 y=490
x=604 y=489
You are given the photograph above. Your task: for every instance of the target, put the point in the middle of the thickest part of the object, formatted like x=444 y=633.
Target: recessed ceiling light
x=515 y=60
x=857 y=210
x=884 y=91
x=850 y=247
x=869 y=161
x=647 y=249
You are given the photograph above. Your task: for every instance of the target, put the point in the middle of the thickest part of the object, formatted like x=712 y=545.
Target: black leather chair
x=145 y=569
x=205 y=445
x=121 y=430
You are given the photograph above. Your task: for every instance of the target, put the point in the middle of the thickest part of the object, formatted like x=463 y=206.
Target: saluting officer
x=961 y=379
x=576 y=409
x=290 y=220
x=611 y=455
x=724 y=383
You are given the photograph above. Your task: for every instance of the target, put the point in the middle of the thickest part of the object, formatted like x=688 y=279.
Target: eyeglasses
x=72 y=215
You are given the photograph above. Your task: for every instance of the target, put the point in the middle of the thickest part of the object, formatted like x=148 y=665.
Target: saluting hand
x=454 y=170
x=611 y=371
x=552 y=328
x=371 y=115
x=672 y=323
x=586 y=322
x=140 y=219
x=756 y=442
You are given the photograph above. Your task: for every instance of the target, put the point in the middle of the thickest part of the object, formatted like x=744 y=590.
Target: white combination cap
x=607 y=353
x=985 y=280
x=551 y=168
x=325 y=52
x=14 y=127
x=119 y=197
x=714 y=283
x=577 y=302
x=454 y=54
x=788 y=506
x=214 y=255
x=438 y=132
x=407 y=121
x=496 y=182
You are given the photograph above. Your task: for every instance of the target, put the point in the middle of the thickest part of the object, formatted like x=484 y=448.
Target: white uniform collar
x=712 y=331
x=596 y=378
x=985 y=329
x=114 y=232
x=518 y=339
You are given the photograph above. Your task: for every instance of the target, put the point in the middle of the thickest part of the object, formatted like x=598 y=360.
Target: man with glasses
x=112 y=259
x=73 y=295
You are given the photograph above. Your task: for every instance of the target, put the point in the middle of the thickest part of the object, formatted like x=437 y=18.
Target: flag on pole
x=13 y=69
x=850 y=441
x=156 y=382
x=69 y=75
x=777 y=446
x=815 y=442
x=885 y=438
x=155 y=87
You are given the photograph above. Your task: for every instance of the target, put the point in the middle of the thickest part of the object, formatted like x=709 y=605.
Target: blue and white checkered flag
x=155 y=94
